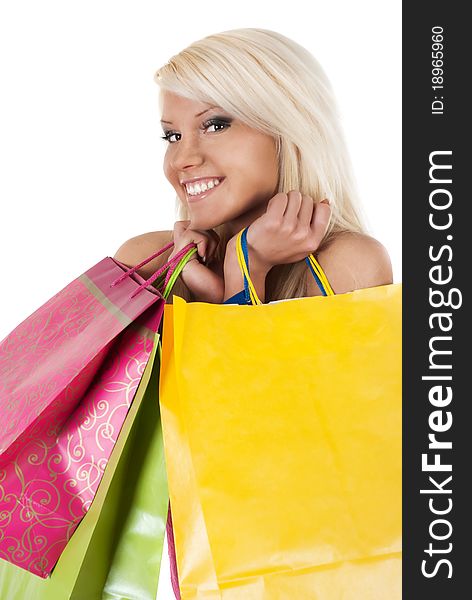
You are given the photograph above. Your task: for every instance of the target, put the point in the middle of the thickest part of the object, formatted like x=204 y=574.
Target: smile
x=202 y=189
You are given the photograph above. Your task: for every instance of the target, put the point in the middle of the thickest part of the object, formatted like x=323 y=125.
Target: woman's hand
x=207 y=241
x=291 y=228
x=204 y=284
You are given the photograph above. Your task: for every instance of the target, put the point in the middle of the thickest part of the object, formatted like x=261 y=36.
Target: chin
x=202 y=224
x=205 y=220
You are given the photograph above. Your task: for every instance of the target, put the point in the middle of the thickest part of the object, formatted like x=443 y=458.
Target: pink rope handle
x=174 y=575
x=175 y=264
x=132 y=270
x=172 y=268
x=170 y=264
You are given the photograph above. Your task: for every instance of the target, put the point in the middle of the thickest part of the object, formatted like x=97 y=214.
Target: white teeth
x=198 y=188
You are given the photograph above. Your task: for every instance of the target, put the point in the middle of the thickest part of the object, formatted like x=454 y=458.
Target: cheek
x=171 y=175
x=263 y=172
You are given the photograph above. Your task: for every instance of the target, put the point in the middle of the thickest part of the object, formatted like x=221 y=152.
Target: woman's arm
x=204 y=284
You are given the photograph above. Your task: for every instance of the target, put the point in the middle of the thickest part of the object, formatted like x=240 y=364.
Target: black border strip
x=435 y=348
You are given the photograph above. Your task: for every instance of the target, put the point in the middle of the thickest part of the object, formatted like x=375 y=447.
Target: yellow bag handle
x=243 y=260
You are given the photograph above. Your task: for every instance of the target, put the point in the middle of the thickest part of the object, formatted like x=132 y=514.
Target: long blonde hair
x=273 y=84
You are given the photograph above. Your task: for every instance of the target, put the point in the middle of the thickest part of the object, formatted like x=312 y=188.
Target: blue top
x=239 y=298
x=242 y=298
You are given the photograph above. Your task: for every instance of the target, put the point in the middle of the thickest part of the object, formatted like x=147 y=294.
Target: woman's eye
x=223 y=123
x=167 y=135
x=217 y=122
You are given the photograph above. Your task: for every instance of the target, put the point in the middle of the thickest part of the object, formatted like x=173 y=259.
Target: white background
x=80 y=153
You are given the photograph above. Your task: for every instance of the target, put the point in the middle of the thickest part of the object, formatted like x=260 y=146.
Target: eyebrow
x=197 y=115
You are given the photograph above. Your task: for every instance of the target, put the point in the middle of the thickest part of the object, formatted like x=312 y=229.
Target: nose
x=187 y=154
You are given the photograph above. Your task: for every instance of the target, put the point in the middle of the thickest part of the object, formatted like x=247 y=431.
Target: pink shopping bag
x=68 y=375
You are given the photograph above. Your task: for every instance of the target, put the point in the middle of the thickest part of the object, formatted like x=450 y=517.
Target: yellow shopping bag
x=282 y=436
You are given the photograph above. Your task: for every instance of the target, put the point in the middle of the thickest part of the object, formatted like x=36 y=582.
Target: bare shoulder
x=137 y=248
x=353 y=261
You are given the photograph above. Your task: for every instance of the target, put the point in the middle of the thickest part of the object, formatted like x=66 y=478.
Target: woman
x=254 y=111
x=254 y=140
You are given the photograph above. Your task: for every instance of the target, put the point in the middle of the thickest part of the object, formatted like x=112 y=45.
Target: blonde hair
x=274 y=85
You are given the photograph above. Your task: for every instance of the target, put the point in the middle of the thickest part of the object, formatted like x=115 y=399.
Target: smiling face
x=234 y=167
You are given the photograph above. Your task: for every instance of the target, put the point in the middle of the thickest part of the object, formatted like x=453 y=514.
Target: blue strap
x=247 y=295
x=317 y=279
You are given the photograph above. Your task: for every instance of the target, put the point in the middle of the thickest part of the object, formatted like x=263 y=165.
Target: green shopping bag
x=134 y=571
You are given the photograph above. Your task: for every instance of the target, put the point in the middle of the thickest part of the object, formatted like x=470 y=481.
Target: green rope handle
x=178 y=269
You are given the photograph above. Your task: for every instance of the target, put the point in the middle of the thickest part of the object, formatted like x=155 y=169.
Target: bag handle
x=250 y=290
x=173 y=267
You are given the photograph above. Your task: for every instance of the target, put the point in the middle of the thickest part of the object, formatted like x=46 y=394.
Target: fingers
x=202 y=244
x=276 y=206
x=305 y=213
x=298 y=209
x=180 y=227
x=294 y=203
x=320 y=221
x=206 y=241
